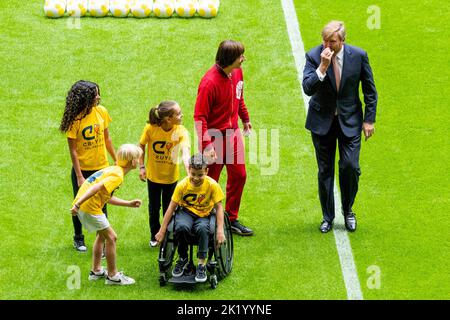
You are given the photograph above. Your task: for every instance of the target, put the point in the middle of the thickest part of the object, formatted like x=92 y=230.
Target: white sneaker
x=97 y=275
x=119 y=279
x=153 y=243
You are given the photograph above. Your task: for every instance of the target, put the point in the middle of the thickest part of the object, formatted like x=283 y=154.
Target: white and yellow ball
x=208 y=8
x=163 y=8
x=119 y=8
x=141 y=8
x=186 y=8
x=54 y=8
x=98 y=8
x=77 y=8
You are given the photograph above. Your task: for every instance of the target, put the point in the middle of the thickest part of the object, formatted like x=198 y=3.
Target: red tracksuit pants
x=230 y=152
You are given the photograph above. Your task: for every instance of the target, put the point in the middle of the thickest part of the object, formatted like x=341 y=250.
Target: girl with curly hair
x=85 y=123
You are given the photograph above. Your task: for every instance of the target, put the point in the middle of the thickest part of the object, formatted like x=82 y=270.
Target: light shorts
x=93 y=222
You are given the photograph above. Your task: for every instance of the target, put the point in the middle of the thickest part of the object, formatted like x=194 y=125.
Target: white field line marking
x=343 y=246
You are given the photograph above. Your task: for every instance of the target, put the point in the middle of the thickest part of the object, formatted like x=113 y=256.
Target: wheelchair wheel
x=224 y=253
x=167 y=250
x=213 y=281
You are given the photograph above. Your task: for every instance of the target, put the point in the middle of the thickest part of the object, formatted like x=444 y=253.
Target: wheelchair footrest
x=184 y=279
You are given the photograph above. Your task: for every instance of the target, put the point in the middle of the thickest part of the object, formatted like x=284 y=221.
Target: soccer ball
x=54 y=8
x=208 y=8
x=77 y=8
x=141 y=8
x=163 y=8
x=119 y=8
x=98 y=8
x=186 y=8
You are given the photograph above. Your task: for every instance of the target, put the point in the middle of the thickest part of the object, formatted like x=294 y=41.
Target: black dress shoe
x=350 y=221
x=325 y=226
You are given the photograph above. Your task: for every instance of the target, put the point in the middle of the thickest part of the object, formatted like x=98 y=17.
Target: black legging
x=76 y=222
x=156 y=191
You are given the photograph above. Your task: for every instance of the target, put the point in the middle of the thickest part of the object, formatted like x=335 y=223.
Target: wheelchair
x=219 y=259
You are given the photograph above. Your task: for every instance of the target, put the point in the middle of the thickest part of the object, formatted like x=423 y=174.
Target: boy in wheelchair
x=195 y=196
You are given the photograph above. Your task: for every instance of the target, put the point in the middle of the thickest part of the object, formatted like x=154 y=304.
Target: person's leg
x=236 y=174
x=97 y=251
x=78 y=232
x=154 y=206
x=201 y=230
x=325 y=147
x=183 y=227
x=349 y=170
x=167 y=192
x=111 y=239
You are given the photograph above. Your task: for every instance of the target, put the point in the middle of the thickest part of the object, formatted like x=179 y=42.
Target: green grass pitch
x=404 y=197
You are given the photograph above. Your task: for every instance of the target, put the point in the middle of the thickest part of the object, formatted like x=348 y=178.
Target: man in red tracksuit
x=220 y=101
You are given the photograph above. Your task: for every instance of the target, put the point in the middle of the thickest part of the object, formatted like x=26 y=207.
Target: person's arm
x=75 y=162
x=311 y=81
x=109 y=145
x=167 y=216
x=247 y=128
x=142 y=171
x=219 y=220
x=136 y=203
x=186 y=155
x=202 y=111
x=243 y=114
x=89 y=193
x=370 y=97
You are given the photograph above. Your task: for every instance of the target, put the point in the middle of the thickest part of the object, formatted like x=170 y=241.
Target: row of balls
x=138 y=8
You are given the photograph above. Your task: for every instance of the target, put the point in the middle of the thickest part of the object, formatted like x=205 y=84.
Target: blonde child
x=86 y=123
x=164 y=136
x=95 y=191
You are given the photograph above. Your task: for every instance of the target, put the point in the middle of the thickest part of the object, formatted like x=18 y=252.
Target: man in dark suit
x=332 y=74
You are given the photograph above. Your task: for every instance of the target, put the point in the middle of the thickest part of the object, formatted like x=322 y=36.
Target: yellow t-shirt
x=111 y=177
x=163 y=149
x=200 y=200
x=89 y=135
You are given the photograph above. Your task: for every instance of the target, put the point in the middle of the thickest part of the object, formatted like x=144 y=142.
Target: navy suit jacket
x=325 y=99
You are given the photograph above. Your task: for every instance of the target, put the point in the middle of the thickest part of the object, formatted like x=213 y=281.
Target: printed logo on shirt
x=159 y=146
x=239 y=87
x=192 y=198
x=93 y=137
x=87 y=133
x=94 y=176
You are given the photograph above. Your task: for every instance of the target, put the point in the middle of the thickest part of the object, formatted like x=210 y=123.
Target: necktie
x=337 y=73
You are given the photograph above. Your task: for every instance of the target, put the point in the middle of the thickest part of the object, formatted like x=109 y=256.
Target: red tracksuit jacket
x=220 y=100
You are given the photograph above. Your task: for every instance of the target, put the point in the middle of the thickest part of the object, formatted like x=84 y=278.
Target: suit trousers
x=349 y=170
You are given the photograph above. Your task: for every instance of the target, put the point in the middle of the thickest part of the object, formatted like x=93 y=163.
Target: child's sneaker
x=78 y=243
x=181 y=264
x=119 y=279
x=201 y=273
x=98 y=275
x=153 y=243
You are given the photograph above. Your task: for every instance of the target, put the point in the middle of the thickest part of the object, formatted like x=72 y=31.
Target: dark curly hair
x=80 y=100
